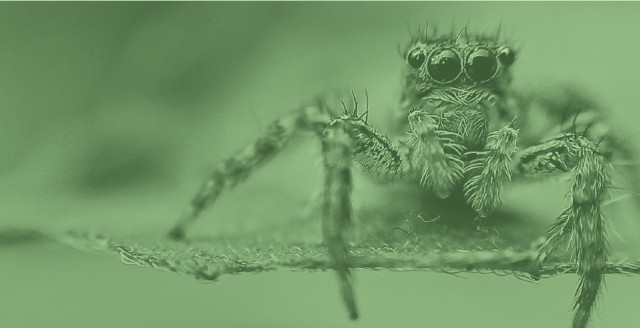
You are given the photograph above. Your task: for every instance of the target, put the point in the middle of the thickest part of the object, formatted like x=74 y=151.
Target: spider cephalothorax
x=452 y=96
x=460 y=79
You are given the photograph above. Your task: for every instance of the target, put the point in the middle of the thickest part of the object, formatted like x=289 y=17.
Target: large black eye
x=416 y=58
x=444 y=65
x=481 y=65
x=506 y=56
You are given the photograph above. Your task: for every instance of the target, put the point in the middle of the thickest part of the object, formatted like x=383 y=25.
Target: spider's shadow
x=412 y=216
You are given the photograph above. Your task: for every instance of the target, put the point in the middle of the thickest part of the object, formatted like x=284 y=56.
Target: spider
x=461 y=128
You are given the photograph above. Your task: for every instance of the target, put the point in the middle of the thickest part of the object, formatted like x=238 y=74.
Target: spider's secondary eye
x=506 y=56
x=444 y=65
x=481 y=65
x=416 y=58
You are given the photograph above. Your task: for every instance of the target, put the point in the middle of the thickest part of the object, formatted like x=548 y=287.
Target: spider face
x=459 y=62
x=459 y=79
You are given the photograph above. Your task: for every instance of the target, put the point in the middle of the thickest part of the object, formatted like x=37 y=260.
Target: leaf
x=210 y=260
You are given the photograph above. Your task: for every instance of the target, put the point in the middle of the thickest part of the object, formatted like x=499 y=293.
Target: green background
x=111 y=113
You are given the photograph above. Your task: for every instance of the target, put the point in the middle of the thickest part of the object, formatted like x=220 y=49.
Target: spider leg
x=337 y=148
x=348 y=139
x=237 y=168
x=437 y=153
x=583 y=221
x=489 y=170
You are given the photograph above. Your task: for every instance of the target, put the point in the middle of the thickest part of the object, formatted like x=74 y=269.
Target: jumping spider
x=464 y=128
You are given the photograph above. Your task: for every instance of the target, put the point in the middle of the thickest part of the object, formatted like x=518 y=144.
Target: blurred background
x=112 y=113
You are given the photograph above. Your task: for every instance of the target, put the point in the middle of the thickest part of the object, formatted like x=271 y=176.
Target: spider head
x=458 y=77
x=462 y=63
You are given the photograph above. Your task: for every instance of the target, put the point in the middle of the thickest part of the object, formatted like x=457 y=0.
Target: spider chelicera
x=460 y=127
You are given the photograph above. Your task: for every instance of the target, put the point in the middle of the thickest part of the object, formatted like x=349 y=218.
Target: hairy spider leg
x=566 y=109
x=348 y=140
x=582 y=223
x=337 y=149
x=237 y=168
x=489 y=170
x=437 y=155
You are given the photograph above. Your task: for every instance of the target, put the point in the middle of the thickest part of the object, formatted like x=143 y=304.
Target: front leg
x=349 y=139
x=582 y=223
x=489 y=170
